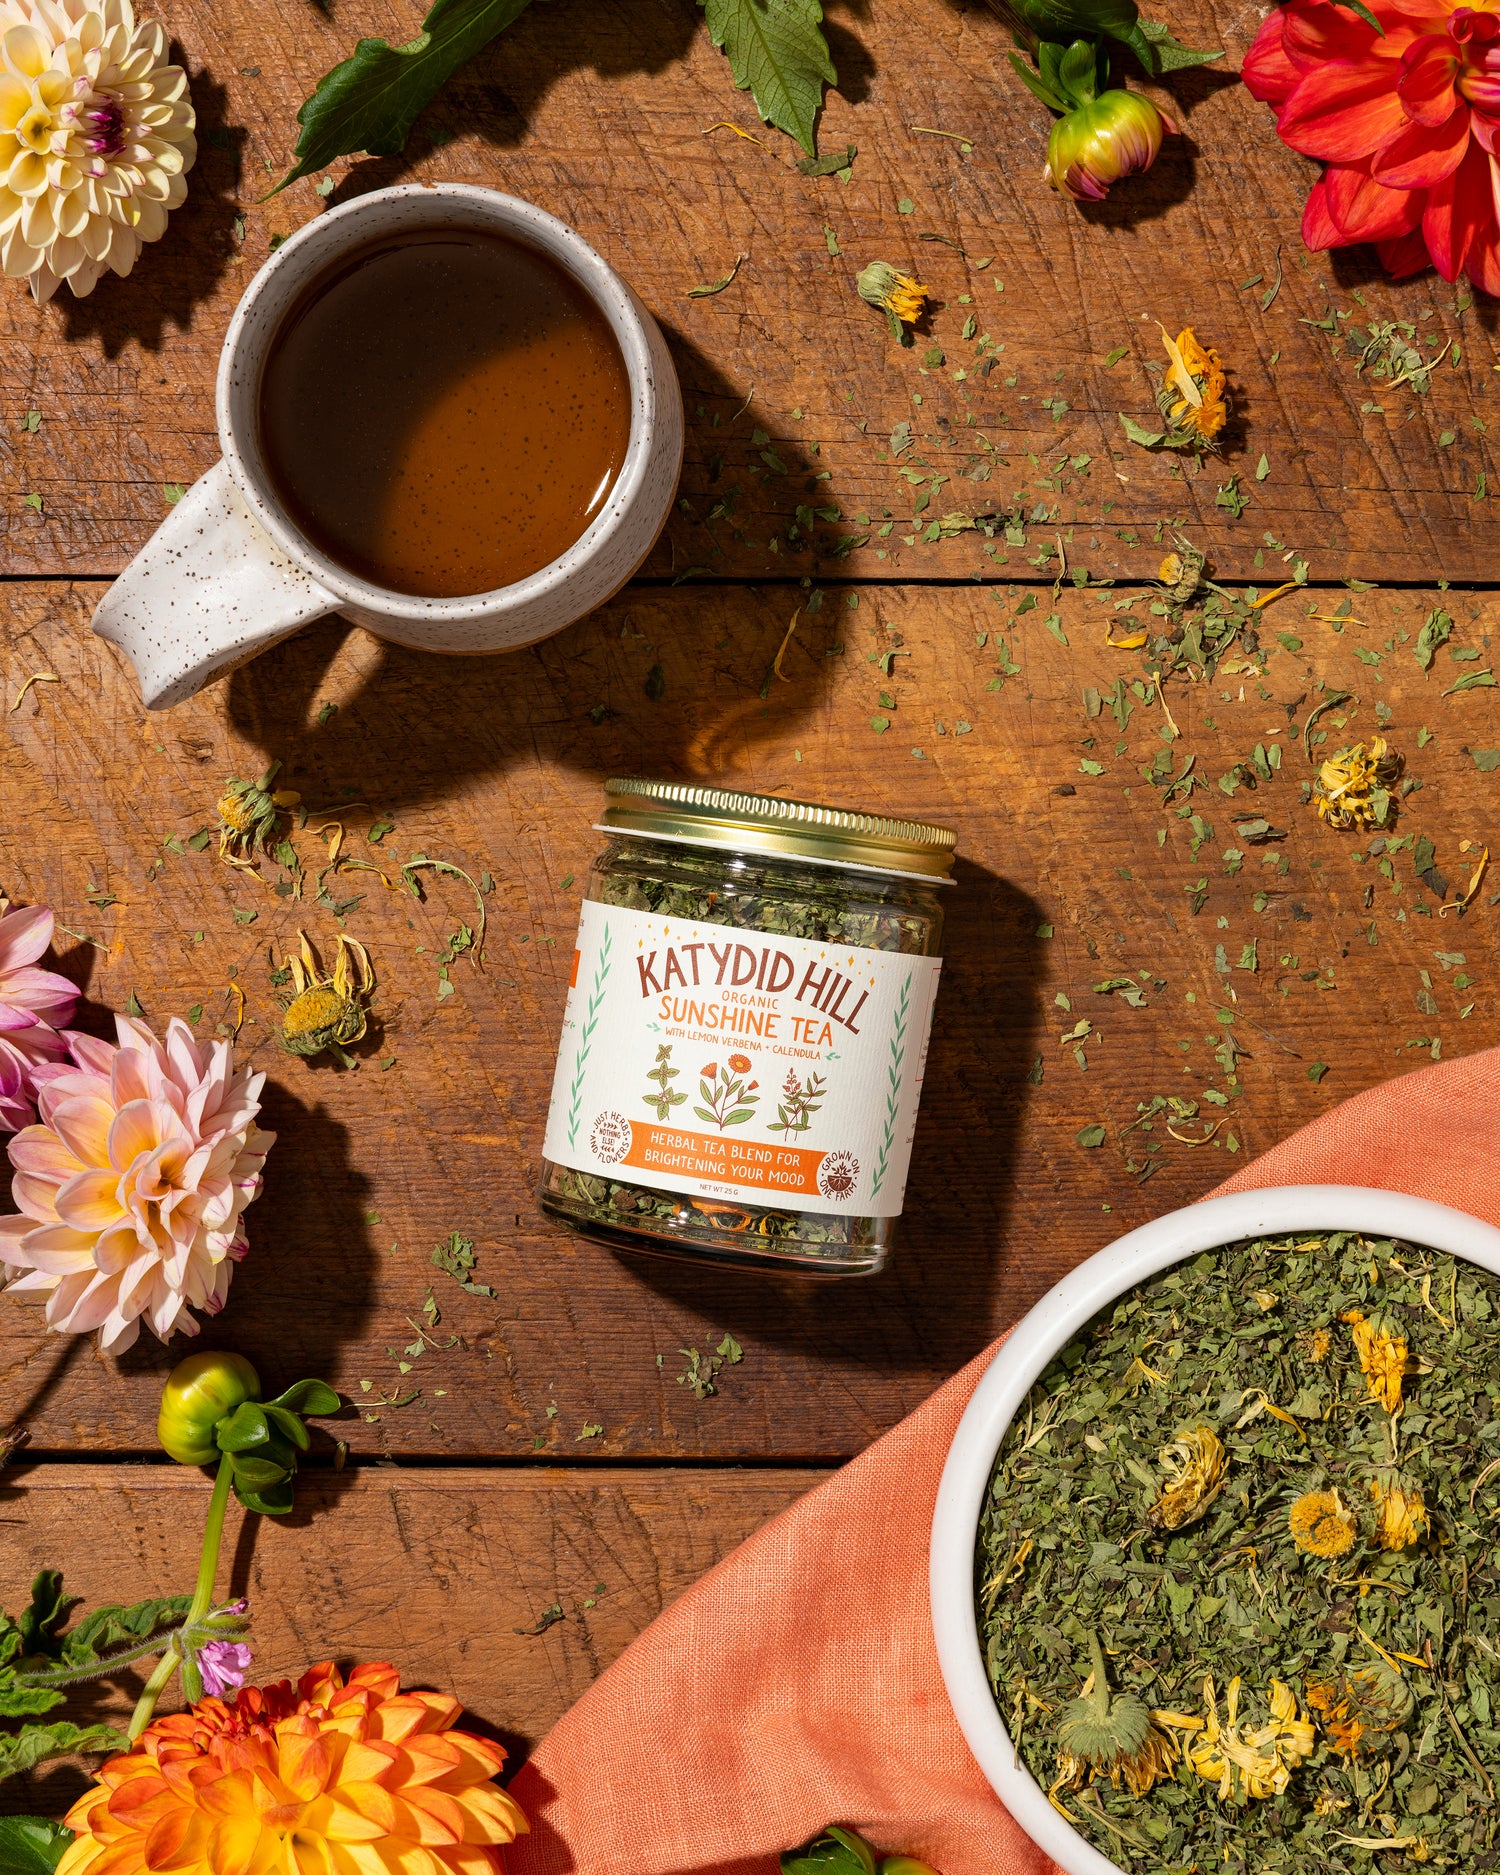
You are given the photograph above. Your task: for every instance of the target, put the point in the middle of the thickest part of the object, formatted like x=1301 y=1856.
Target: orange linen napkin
x=797 y=1683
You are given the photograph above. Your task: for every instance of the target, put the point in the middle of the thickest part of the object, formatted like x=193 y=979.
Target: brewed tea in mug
x=443 y=412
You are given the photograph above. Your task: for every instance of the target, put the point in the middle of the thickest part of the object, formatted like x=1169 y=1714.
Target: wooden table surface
x=542 y=1444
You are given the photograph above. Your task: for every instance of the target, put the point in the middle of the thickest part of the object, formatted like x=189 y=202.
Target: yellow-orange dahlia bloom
x=324 y=1778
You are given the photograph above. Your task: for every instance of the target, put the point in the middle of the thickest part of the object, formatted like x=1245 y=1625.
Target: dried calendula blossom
x=1354 y=787
x=1194 y=396
x=1196 y=1469
x=1359 y=1710
x=1250 y=1761
x=1322 y=1524
x=1315 y=1344
x=901 y=298
x=1181 y=572
x=1400 y=1510
x=1104 y=1734
x=325 y=1013
x=249 y=815
x=1383 y=1357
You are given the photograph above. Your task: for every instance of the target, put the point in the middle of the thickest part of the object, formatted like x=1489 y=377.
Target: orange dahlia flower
x=322 y=1778
x=1405 y=122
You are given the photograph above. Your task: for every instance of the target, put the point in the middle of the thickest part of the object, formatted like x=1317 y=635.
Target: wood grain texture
x=440 y=1573
x=496 y=765
x=792 y=386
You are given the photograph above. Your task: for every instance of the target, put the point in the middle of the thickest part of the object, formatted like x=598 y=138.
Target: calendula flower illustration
x=250 y=817
x=1193 y=397
x=131 y=1188
x=897 y=294
x=1196 y=1469
x=324 y=1778
x=96 y=140
x=1383 y=1357
x=739 y=1064
x=1358 y=1709
x=1354 y=787
x=324 y=1013
x=1322 y=1524
x=1400 y=1510
x=1256 y=1761
x=1101 y=1734
x=34 y=1005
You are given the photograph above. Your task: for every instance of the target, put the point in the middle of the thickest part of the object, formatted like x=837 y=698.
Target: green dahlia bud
x=199 y=1392
x=1119 y=134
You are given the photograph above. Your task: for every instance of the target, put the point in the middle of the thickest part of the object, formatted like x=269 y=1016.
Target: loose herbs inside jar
x=765 y=896
x=1236 y=1572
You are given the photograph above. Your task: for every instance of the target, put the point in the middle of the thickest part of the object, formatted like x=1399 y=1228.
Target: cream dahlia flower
x=96 y=139
x=131 y=1188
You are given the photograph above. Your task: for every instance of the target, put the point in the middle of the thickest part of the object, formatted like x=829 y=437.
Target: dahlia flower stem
x=213 y=1533
x=160 y=1680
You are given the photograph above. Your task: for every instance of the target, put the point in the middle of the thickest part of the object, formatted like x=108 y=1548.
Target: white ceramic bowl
x=1066 y=1308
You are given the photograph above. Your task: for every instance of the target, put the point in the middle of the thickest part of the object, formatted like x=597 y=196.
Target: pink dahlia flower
x=1406 y=123
x=132 y=1186
x=34 y=1005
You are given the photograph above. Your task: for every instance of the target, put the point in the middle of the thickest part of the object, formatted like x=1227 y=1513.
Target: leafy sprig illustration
x=728 y=1099
x=662 y=1074
x=800 y=1101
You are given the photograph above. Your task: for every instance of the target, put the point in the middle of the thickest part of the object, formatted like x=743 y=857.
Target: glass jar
x=746 y=1029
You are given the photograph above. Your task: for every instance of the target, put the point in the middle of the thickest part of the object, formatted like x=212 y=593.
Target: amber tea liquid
x=444 y=412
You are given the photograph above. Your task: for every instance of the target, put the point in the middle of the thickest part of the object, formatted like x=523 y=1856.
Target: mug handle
x=207 y=591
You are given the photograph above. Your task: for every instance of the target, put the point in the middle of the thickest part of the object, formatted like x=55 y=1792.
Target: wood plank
x=440 y=1572
x=372 y=1168
x=602 y=123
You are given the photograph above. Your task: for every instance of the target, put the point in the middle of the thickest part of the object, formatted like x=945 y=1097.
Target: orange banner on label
x=790 y=1170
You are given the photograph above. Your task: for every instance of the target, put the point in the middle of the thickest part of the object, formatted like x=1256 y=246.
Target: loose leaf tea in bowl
x=1236 y=1571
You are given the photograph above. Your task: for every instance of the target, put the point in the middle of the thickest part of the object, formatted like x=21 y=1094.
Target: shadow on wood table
x=938 y=1293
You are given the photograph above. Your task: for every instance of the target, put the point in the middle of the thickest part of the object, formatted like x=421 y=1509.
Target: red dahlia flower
x=1406 y=122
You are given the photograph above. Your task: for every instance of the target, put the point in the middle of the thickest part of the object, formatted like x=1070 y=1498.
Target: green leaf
x=836 y=1851
x=274 y=1500
x=1091 y=1135
x=31 y=1845
x=1153 y=44
x=1359 y=7
x=829 y=164
x=49 y=1606
x=1072 y=19
x=1148 y=439
x=245 y=1428
x=121 y=1625
x=258 y=1475
x=371 y=101
x=20 y=1701
x=309 y=1396
x=1036 y=84
x=776 y=52
x=290 y=1426
x=19 y=1751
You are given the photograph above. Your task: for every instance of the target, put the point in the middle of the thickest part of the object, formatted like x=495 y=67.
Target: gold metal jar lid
x=766 y=823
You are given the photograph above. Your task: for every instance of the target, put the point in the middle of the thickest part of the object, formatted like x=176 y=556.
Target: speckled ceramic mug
x=228 y=573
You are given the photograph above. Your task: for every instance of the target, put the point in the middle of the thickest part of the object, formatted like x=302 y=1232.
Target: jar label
x=740 y=1065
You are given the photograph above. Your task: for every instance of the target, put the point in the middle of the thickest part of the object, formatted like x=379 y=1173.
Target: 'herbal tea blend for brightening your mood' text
x=1237 y=1573
x=746 y=1029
